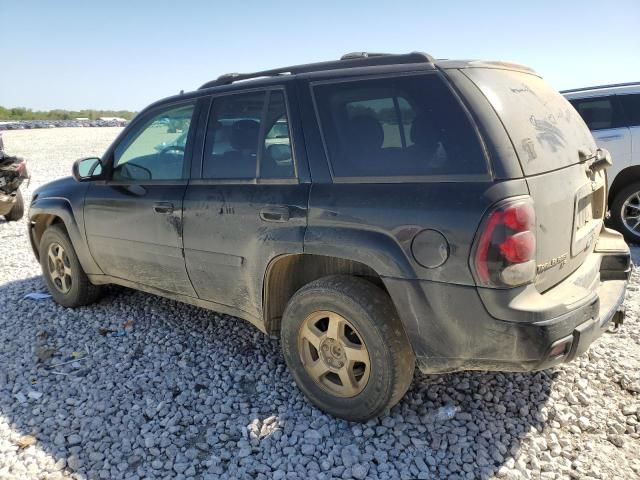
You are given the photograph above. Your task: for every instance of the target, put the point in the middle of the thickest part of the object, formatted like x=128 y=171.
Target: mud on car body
x=447 y=214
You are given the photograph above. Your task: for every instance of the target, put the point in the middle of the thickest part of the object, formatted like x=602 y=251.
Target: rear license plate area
x=587 y=220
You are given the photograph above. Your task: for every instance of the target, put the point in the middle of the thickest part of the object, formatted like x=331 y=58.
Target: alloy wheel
x=59 y=267
x=630 y=213
x=334 y=354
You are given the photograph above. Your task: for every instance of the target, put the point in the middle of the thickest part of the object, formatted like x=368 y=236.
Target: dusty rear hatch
x=555 y=149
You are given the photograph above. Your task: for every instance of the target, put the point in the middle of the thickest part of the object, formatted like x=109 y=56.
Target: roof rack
x=349 y=60
x=612 y=85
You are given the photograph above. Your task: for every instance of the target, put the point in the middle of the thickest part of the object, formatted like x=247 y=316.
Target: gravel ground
x=187 y=393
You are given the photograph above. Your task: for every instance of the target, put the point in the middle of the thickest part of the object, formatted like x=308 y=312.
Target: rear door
x=134 y=220
x=555 y=149
x=394 y=155
x=604 y=117
x=247 y=201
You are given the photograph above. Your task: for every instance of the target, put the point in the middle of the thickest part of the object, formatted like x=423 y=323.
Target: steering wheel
x=169 y=148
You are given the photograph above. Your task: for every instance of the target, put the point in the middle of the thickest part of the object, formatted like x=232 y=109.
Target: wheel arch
x=49 y=211
x=286 y=274
x=626 y=177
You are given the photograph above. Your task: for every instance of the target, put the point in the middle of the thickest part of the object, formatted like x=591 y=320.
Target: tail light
x=505 y=250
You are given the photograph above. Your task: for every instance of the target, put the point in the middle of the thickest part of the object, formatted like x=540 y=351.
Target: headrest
x=244 y=135
x=279 y=152
x=424 y=132
x=366 y=132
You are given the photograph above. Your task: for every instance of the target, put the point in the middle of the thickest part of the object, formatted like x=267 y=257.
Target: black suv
x=375 y=211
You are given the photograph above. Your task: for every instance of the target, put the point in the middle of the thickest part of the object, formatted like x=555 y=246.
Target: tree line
x=20 y=113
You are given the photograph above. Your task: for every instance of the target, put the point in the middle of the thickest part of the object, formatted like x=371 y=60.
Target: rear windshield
x=545 y=129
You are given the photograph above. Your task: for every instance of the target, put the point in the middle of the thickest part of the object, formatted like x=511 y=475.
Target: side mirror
x=86 y=169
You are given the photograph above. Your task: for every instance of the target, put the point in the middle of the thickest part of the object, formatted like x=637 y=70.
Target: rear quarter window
x=411 y=126
x=545 y=129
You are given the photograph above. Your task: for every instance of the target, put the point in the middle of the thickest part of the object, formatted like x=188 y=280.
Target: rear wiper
x=603 y=160
x=585 y=154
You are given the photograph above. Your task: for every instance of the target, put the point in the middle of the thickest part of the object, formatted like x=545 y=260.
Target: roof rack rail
x=597 y=87
x=349 y=60
x=352 y=55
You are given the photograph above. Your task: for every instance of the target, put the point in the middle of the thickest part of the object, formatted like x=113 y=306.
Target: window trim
x=449 y=178
x=200 y=180
x=188 y=151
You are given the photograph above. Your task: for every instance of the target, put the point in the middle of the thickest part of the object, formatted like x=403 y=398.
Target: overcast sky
x=125 y=54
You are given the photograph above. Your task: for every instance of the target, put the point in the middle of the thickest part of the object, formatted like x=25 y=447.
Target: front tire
x=345 y=347
x=66 y=281
x=625 y=212
x=17 y=211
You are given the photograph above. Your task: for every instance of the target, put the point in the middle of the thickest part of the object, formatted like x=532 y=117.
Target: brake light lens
x=506 y=247
x=519 y=248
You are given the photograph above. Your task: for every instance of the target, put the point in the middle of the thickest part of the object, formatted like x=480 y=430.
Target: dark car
x=444 y=213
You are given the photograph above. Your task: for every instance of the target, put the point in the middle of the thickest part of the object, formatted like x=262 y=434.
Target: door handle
x=279 y=213
x=163 y=207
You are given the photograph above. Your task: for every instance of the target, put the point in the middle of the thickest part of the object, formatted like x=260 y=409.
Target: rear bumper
x=453 y=327
x=566 y=348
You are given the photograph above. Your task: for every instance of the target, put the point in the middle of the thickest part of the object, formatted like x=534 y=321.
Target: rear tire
x=624 y=207
x=17 y=211
x=374 y=356
x=66 y=281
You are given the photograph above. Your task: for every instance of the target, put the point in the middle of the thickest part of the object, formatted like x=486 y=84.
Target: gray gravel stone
x=73 y=462
x=617 y=440
x=359 y=471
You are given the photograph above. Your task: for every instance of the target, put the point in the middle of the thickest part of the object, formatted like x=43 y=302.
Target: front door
x=134 y=220
x=246 y=205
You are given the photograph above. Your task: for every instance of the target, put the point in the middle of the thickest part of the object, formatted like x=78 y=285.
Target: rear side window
x=599 y=113
x=248 y=135
x=276 y=160
x=401 y=126
x=631 y=107
x=231 y=147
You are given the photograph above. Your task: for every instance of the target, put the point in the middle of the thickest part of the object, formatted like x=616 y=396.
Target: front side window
x=598 y=113
x=402 y=126
x=155 y=150
x=245 y=139
x=631 y=107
